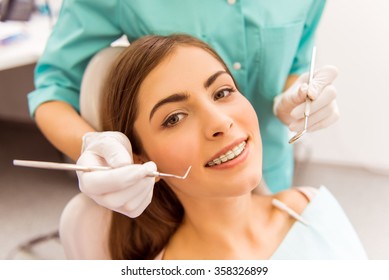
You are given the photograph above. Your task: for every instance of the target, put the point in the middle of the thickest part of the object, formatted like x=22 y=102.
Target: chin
x=252 y=183
x=244 y=184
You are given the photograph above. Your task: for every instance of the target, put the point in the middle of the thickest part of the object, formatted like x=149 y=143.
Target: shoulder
x=296 y=198
x=286 y=208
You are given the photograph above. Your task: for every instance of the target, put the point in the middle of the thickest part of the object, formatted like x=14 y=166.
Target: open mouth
x=229 y=155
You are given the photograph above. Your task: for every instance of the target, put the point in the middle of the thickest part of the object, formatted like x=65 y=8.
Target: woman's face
x=191 y=114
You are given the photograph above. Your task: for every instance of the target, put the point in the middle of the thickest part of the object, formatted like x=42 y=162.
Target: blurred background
x=351 y=158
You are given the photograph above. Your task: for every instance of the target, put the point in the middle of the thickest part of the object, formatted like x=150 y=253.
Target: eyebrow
x=178 y=97
x=213 y=78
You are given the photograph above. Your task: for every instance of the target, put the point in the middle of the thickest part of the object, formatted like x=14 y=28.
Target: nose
x=217 y=123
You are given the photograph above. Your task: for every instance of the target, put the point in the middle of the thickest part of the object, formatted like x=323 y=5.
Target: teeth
x=236 y=151
x=230 y=155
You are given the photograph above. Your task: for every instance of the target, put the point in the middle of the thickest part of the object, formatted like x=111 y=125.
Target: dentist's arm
x=62 y=126
x=83 y=28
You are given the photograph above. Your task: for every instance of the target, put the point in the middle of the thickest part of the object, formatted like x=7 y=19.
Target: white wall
x=354 y=36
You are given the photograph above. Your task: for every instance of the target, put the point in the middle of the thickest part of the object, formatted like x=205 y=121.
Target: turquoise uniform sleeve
x=84 y=27
x=303 y=55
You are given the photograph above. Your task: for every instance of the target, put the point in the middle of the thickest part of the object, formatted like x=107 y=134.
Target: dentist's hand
x=289 y=106
x=126 y=188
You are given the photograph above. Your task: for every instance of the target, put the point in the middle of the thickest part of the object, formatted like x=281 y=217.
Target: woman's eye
x=223 y=93
x=172 y=120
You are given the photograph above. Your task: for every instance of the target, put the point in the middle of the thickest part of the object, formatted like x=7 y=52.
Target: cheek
x=250 y=121
x=249 y=118
x=171 y=152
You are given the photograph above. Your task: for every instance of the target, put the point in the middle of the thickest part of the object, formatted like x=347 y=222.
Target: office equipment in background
x=16 y=10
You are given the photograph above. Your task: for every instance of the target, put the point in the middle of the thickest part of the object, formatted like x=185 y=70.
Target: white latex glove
x=289 y=106
x=126 y=188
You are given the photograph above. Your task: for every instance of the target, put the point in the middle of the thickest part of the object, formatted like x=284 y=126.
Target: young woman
x=178 y=104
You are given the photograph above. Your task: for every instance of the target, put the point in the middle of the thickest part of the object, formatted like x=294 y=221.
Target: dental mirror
x=308 y=101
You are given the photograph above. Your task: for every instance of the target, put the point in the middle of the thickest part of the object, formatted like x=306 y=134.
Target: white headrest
x=92 y=82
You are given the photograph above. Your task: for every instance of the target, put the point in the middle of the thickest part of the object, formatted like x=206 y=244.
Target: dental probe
x=75 y=167
x=159 y=174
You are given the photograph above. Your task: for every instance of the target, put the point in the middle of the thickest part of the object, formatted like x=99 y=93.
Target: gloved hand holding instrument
x=116 y=182
x=311 y=95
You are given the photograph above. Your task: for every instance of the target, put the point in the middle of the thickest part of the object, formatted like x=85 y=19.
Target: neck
x=205 y=215
x=230 y=225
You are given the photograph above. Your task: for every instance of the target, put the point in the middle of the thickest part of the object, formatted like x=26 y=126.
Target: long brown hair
x=145 y=236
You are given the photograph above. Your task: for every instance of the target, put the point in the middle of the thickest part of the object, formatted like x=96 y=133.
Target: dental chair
x=84 y=225
x=94 y=77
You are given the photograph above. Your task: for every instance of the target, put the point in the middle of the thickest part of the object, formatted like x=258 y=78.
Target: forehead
x=184 y=68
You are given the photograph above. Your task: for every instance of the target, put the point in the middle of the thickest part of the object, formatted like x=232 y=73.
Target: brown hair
x=145 y=236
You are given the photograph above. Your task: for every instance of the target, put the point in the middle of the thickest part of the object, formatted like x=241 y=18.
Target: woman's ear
x=139 y=159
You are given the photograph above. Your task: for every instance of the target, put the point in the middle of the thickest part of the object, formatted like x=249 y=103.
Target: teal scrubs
x=262 y=43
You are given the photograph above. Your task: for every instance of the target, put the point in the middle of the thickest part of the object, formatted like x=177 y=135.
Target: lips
x=227 y=154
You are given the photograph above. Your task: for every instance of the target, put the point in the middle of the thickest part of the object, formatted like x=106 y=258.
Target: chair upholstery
x=91 y=87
